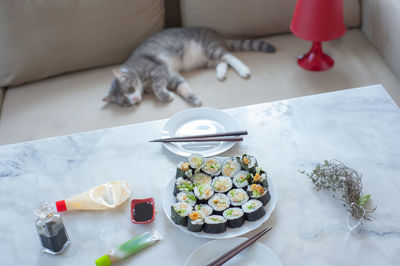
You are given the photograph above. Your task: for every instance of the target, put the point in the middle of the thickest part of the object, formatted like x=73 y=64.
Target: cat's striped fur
x=156 y=63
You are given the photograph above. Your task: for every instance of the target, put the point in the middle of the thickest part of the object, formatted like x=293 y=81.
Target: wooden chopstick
x=199 y=139
x=225 y=134
x=236 y=250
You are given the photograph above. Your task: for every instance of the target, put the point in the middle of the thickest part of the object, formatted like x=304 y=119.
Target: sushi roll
x=241 y=179
x=195 y=161
x=234 y=217
x=215 y=224
x=219 y=202
x=257 y=192
x=237 y=197
x=201 y=178
x=259 y=177
x=203 y=192
x=183 y=170
x=187 y=197
x=180 y=212
x=230 y=167
x=204 y=209
x=253 y=210
x=221 y=184
x=195 y=222
x=248 y=163
x=212 y=166
x=182 y=184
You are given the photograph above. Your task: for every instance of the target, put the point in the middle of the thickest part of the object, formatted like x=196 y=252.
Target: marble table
x=361 y=127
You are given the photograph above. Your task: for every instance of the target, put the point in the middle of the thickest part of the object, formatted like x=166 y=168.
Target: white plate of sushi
x=190 y=204
x=198 y=121
x=256 y=254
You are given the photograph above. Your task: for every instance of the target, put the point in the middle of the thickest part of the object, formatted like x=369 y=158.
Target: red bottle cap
x=61 y=207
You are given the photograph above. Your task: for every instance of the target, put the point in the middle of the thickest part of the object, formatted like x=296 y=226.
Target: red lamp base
x=315 y=59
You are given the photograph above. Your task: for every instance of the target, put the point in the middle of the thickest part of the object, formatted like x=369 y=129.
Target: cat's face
x=123 y=88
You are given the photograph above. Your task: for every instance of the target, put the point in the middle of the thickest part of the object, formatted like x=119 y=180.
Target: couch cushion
x=381 y=25
x=251 y=18
x=72 y=102
x=43 y=38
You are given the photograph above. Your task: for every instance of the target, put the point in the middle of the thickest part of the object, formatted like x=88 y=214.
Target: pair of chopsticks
x=227 y=136
x=236 y=250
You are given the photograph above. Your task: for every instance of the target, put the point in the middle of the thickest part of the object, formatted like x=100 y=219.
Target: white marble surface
x=361 y=127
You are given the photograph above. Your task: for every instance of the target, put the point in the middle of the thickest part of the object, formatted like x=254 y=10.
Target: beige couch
x=43 y=40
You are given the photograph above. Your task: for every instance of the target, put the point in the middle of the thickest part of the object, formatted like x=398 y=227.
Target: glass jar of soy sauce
x=51 y=230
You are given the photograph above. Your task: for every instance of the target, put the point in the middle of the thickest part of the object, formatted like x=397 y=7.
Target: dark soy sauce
x=143 y=212
x=55 y=242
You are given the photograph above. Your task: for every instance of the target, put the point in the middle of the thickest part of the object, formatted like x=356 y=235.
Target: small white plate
x=169 y=199
x=256 y=254
x=198 y=121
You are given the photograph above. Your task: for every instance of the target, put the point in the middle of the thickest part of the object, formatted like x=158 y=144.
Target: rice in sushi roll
x=203 y=192
x=211 y=166
x=195 y=161
x=204 y=209
x=183 y=170
x=219 y=202
x=248 y=163
x=182 y=184
x=237 y=197
x=201 y=178
x=230 y=167
x=195 y=222
x=222 y=184
x=234 y=217
x=241 y=179
x=187 y=197
x=180 y=212
x=257 y=192
x=214 y=224
x=253 y=210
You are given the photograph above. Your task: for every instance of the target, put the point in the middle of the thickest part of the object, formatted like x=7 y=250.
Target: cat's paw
x=195 y=100
x=166 y=97
x=222 y=69
x=245 y=72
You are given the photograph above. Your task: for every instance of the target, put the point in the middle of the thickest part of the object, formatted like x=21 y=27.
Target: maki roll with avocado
x=257 y=192
x=183 y=170
x=188 y=197
x=203 y=192
x=195 y=222
x=253 y=210
x=237 y=197
x=201 y=178
x=219 y=202
x=204 y=209
x=214 y=224
x=221 y=184
x=180 y=212
x=182 y=184
x=234 y=217
x=259 y=177
x=241 y=179
x=195 y=161
x=248 y=163
x=230 y=167
x=211 y=166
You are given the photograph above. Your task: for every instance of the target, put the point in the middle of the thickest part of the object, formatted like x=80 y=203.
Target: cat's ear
x=107 y=98
x=118 y=74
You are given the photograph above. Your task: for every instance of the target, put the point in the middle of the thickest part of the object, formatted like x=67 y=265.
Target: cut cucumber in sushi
x=230 y=167
x=234 y=217
x=203 y=192
x=253 y=210
x=180 y=212
x=182 y=184
x=215 y=224
x=211 y=166
x=237 y=197
x=241 y=179
x=195 y=222
x=188 y=197
x=248 y=163
x=258 y=192
x=222 y=184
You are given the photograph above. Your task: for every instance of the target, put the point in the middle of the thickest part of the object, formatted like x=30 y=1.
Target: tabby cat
x=156 y=63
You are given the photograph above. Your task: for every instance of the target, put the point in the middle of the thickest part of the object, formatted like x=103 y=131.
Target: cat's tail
x=250 y=45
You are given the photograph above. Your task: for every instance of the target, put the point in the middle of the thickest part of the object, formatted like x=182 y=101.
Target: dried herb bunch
x=336 y=177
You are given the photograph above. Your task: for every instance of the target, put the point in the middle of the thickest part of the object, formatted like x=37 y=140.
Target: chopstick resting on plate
x=206 y=137
x=236 y=250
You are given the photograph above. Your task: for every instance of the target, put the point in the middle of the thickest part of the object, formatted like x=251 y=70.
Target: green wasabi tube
x=129 y=248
